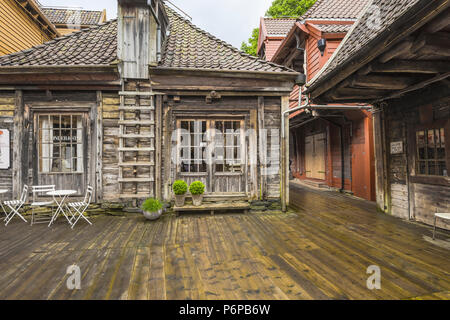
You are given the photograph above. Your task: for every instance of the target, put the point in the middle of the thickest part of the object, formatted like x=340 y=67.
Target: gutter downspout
x=158 y=33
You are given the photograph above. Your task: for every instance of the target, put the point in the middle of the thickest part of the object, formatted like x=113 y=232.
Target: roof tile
x=72 y=16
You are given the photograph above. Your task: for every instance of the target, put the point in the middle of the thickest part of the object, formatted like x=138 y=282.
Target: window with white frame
x=60 y=143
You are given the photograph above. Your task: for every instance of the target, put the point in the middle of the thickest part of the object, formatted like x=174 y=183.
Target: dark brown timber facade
x=404 y=75
x=129 y=115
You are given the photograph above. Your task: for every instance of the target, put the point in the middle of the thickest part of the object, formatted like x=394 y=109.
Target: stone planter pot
x=179 y=200
x=153 y=215
x=197 y=200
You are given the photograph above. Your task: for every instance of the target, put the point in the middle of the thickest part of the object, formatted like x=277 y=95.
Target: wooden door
x=61 y=145
x=192 y=162
x=213 y=152
x=315 y=156
x=228 y=156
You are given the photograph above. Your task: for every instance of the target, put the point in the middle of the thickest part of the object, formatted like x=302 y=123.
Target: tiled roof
x=93 y=46
x=334 y=28
x=190 y=47
x=364 y=31
x=71 y=16
x=335 y=9
x=278 y=26
x=186 y=47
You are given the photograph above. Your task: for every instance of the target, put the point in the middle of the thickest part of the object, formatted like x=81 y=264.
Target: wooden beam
x=437 y=44
x=262 y=148
x=398 y=50
x=158 y=142
x=18 y=144
x=99 y=145
x=382 y=82
x=442 y=21
x=417 y=86
x=407 y=66
x=285 y=158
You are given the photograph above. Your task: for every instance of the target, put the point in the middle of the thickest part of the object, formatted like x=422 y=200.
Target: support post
x=99 y=142
x=18 y=141
x=285 y=156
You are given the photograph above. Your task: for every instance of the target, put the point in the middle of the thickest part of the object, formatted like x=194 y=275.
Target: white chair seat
x=12 y=202
x=76 y=204
x=42 y=204
x=443 y=215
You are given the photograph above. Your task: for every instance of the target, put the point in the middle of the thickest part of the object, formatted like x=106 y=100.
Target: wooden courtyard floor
x=321 y=251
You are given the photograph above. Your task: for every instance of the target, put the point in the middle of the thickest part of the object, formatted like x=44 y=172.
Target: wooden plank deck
x=320 y=252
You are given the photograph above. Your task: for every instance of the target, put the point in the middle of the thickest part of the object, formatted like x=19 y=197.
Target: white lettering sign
x=397 y=147
x=4 y=149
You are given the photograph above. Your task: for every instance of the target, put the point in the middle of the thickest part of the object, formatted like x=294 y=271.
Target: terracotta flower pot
x=179 y=200
x=197 y=200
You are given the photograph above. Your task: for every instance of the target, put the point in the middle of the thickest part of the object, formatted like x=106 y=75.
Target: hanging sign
x=397 y=147
x=4 y=149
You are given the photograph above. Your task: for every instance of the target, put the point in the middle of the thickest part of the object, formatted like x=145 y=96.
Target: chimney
x=139 y=37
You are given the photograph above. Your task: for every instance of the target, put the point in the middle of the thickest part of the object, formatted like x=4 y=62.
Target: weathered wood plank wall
x=7 y=101
x=409 y=194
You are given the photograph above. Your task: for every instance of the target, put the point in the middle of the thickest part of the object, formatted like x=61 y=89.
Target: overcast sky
x=229 y=20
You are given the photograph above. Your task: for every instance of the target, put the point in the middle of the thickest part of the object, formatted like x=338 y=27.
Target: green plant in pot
x=179 y=189
x=197 y=189
x=152 y=209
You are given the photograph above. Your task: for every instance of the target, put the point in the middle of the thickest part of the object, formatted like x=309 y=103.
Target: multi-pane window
x=60 y=143
x=193 y=147
x=431 y=158
x=227 y=144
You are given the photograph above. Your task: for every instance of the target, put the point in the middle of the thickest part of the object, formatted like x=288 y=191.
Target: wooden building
x=68 y=20
x=133 y=104
x=23 y=25
x=329 y=148
x=272 y=32
x=404 y=75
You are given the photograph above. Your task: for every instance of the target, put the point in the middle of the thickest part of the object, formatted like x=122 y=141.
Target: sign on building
x=4 y=149
x=397 y=147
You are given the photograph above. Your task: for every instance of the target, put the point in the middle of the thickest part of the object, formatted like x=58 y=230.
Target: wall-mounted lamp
x=322 y=44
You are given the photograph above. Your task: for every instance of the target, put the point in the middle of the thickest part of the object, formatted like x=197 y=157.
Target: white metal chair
x=39 y=191
x=80 y=207
x=444 y=216
x=15 y=206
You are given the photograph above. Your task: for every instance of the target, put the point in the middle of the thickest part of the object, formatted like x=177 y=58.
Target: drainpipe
x=158 y=33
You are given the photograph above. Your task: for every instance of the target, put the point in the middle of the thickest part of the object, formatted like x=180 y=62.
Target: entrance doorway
x=315 y=146
x=214 y=152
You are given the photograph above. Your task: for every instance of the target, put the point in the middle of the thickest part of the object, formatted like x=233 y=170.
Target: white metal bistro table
x=60 y=197
x=3 y=191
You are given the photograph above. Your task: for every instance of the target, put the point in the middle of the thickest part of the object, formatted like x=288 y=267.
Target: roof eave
x=264 y=74
x=62 y=69
x=372 y=50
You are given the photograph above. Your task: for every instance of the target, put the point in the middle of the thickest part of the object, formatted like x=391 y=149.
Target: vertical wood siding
x=6 y=122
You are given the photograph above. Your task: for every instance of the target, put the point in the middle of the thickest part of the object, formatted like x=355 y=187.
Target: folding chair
x=15 y=206
x=37 y=192
x=80 y=207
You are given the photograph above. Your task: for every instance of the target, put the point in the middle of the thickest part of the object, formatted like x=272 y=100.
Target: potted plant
x=152 y=209
x=197 y=189
x=179 y=189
